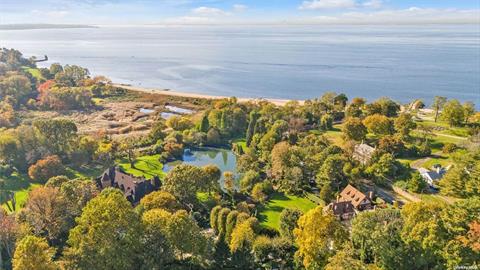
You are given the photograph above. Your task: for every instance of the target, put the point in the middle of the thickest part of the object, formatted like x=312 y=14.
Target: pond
x=225 y=159
x=178 y=110
x=173 y=111
x=146 y=111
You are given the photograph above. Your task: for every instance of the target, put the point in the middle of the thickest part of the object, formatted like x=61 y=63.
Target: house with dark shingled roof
x=349 y=202
x=134 y=188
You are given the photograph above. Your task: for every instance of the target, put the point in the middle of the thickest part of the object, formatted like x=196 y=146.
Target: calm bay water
x=292 y=62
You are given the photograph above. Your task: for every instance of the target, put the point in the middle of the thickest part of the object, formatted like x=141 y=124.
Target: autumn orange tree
x=46 y=168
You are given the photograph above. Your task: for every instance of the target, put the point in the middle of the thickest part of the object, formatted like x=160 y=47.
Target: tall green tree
x=288 y=222
x=274 y=253
x=253 y=117
x=157 y=249
x=353 y=129
x=422 y=230
x=463 y=179
x=160 y=200
x=437 y=105
x=331 y=172
x=107 y=236
x=34 y=253
x=204 y=124
x=346 y=259
x=404 y=124
x=182 y=233
x=77 y=193
x=11 y=152
x=184 y=181
x=453 y=113
x=214 y=218
x=376 y=236
x=379 y=124
x=57 y=134
x=468 y=110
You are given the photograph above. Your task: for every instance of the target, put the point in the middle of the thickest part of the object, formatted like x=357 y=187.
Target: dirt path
x=451 y=136
x=418 y=163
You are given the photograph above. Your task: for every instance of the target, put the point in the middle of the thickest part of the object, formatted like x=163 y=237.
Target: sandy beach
x=278 y=102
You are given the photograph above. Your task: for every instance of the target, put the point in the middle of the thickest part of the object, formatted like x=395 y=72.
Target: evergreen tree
x=254 y=115
x=204 y=124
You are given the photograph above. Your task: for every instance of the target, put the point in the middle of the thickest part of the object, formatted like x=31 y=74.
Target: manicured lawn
x=35 y=72
x=443 y=160
x=455 y=131
x=21 y=185
x=270 y=214
x=436 y=198
x=21 y=196
x=90 y=171
x=146 y=166
x=439 y=140
x=334 y=135
x=407 y=160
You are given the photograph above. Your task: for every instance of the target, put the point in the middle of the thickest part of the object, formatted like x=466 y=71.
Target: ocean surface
x=288 y=62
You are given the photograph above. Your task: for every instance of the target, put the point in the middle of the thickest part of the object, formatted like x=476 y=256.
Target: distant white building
x=432 y=176
x=363 y=153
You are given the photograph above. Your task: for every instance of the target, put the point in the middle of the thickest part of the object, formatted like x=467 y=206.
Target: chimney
x=370 y=195
x=338 y=198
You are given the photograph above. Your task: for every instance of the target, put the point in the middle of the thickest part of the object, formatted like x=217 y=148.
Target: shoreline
x=159 y=91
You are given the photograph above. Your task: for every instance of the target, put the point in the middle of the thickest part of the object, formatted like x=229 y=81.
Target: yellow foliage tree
x=243 y=235
x=318 y=236
x=33 y=253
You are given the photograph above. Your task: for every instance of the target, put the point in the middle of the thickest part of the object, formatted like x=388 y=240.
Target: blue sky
x=238 y=11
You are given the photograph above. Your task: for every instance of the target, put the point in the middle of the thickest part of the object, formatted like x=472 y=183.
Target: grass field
x=270 y=214
x=447 y=130
x=84 y=172
x=35 y=72
x=21 y=185
x=146 y=166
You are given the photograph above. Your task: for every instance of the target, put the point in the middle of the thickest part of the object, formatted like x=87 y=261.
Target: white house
x=432 y=176
x=363 y=153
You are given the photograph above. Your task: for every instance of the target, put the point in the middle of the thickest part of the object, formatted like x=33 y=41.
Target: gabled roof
x=363 y=152
x=340 y=208
x=433 y=175
x=134 y=188
x=352 y=194
x=364 y=148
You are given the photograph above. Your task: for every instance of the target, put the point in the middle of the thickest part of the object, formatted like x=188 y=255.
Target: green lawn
x=89 y=171
x=334 y=135
x=21 y=185
x=35 y=72
x=270 y=214
x=242 y=143
x=146 y=166
x=443 y=160
x=455 y=131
